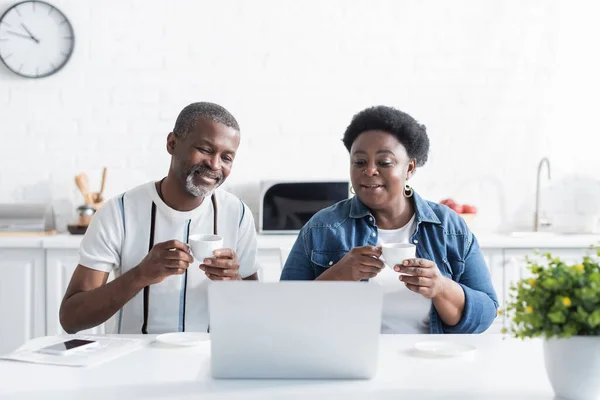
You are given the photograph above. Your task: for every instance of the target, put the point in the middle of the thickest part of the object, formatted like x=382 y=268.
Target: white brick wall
x=499 y=84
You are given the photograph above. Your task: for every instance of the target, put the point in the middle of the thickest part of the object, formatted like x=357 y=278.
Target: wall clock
x=36 y=39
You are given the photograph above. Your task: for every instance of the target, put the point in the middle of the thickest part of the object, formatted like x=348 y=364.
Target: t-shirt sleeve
x=246 y=245
x=101 y=245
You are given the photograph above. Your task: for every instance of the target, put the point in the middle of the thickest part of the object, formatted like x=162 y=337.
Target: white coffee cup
x=203 y=246
x=395 y=253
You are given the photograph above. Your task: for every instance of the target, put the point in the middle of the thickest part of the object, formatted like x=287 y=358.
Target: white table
x=501 y=368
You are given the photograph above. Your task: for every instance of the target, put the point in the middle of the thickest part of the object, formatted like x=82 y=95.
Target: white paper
x=108 y=348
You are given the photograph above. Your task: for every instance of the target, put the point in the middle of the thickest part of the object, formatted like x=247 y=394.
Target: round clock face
x=36 y=39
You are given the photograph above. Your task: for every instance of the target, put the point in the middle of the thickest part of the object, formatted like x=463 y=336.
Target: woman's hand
x=359 y=263
x=426 y=279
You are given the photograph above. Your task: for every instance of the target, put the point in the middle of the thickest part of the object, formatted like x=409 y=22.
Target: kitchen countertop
x=273 y=242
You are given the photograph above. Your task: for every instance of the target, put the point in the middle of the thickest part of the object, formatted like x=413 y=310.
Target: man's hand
x=165 y=259
x=223 y=267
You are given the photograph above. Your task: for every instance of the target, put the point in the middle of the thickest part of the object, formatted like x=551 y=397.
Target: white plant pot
x=573 y=367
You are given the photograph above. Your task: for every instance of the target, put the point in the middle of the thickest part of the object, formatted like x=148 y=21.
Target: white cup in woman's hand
x=203 y=246
x=396 y=253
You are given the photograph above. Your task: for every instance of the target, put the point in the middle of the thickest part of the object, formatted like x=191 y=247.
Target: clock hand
x=20 y=35
x=30 y=35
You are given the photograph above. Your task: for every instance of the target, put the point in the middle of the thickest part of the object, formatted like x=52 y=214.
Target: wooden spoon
x=102 y=184
x=82 y=183
x=97 y=196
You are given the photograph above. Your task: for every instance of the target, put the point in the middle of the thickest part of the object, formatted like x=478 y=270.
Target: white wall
x=499 y=84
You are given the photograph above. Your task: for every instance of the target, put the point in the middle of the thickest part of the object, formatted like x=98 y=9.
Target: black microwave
x=286 y=206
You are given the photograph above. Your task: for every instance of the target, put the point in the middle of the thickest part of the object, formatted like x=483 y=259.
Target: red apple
x=456 y=207
x=469 y=209
x=447 y=202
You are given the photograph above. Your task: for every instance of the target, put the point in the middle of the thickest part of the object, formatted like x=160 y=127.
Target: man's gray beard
x=198 y=191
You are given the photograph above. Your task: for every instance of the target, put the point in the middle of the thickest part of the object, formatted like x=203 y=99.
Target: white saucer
x=183 y=338
x=443 y=349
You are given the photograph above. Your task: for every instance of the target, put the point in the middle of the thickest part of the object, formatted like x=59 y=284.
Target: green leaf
x=550 y=284
x=594 y=319
x=581 y=315
x=557 y=317
x=569 y=330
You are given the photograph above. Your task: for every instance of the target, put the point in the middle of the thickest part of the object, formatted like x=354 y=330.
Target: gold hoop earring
x=352 y=190
x=408 y=191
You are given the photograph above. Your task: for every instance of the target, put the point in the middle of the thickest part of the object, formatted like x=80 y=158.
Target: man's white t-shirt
x=404 y=311
x=118 y=240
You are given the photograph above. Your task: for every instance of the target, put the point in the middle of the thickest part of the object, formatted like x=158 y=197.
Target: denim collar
x=423 y=211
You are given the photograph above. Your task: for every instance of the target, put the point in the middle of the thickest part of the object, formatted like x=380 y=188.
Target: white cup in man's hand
x=203 y=246
x=395 y=253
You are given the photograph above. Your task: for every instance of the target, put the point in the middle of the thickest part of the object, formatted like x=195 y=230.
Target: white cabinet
x=22 y=297
x=494 y=258
x=60 y=265
x=495 y=262
x=284 y=253
x=270 y=263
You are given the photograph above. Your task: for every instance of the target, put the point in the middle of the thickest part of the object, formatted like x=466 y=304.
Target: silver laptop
x=296 y=330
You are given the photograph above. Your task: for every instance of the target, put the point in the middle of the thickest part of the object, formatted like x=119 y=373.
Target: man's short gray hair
x=212 y=112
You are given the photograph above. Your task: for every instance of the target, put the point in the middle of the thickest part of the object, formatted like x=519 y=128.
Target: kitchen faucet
x=536 y=216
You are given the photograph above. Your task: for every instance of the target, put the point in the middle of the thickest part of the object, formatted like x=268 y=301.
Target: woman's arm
x=357 y=264
x=467 y=306
x=481 y=302
x=450 y=302
x=298 y=266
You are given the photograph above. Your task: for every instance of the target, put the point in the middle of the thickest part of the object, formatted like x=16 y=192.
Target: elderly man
x=142 y=236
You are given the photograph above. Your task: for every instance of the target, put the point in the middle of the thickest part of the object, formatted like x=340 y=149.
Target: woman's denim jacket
x=441 y=236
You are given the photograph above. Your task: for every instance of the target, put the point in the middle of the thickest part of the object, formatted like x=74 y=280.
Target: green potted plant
x=560 y=303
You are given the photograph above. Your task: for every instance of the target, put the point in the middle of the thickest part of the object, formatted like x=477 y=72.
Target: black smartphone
x=63 y=348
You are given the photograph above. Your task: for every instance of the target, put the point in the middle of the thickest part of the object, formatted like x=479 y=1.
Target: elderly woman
x=447 y=287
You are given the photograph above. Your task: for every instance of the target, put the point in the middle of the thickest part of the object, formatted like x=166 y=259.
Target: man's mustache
x=206 y=172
